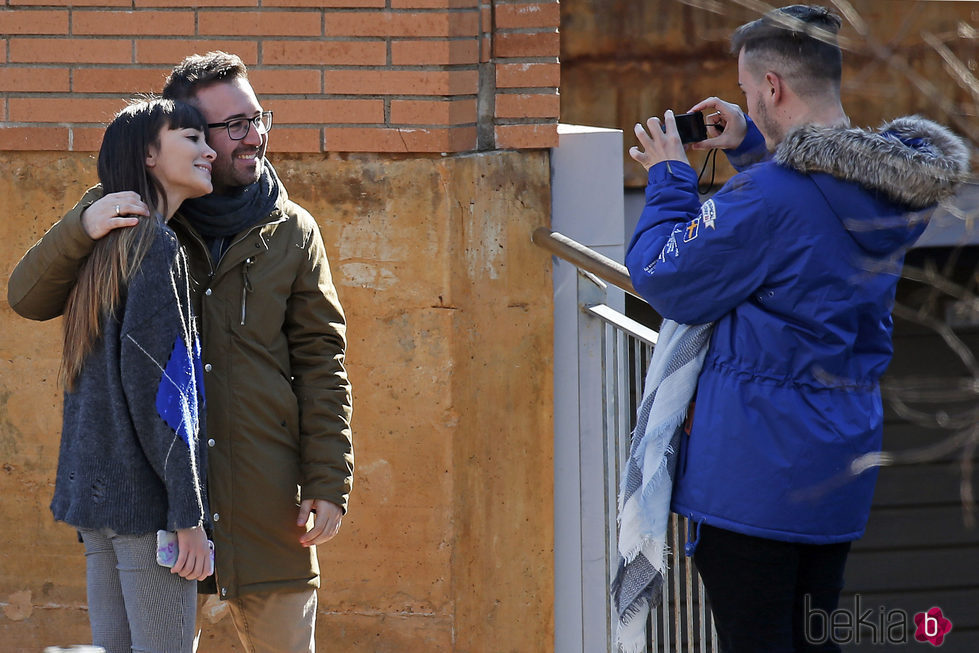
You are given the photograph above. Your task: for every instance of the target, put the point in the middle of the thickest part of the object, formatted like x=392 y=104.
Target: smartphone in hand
x=167 y=550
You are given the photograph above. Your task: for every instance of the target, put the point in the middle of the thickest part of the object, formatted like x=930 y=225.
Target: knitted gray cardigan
x=131 y=459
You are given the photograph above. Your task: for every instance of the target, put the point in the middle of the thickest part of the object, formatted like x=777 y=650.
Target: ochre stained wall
x=448 y=542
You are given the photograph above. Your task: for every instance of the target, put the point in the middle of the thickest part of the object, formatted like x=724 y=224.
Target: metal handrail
x=587 y=259
x=626 y=324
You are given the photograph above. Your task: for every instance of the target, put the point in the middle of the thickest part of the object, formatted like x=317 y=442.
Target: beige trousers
x=274 y=622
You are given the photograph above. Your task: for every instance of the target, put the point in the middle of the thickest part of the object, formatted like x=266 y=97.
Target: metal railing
x=682 y=622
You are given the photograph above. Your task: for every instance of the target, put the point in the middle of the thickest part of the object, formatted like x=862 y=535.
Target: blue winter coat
x=795 y=260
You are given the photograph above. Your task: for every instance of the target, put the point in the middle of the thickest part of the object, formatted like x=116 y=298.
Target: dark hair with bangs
x=200 y=70
x=116 y=256
x=127 y=141
x=800 y=40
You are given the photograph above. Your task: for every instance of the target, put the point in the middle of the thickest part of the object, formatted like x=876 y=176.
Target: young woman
x=131 y=462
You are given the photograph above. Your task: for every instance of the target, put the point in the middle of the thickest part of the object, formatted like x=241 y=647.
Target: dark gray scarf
x=218 y=218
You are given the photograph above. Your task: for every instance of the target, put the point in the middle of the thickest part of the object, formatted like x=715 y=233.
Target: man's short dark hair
x=800 y=39
x=200 y=70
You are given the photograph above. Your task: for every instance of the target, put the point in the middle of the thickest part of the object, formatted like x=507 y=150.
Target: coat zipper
x=246 y=286
x=214 y=265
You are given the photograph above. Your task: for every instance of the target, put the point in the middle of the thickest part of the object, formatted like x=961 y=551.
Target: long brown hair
x=116 y=256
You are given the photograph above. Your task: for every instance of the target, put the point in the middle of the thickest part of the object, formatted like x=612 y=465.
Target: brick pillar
x=526 y=45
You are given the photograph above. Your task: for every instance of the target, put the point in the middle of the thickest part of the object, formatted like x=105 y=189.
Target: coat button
x=208 y=292
x=211 y=442
x=207 y=367
x=216 y=517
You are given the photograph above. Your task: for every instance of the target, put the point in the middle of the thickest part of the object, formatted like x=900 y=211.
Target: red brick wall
x=340 y=75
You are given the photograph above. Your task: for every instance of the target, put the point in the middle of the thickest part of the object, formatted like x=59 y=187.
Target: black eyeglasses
x=238 y=128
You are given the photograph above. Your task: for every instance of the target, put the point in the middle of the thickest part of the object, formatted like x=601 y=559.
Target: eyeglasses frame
x=256 y=121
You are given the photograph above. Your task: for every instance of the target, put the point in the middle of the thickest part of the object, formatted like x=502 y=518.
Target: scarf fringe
x=645 y=547
x=650 y=484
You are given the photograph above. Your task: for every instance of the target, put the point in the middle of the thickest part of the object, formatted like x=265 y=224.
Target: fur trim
x=911 y=160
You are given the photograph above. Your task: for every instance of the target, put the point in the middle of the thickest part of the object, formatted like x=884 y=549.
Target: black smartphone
x=691 y=127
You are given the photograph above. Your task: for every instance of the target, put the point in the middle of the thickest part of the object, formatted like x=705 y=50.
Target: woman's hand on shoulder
x=113 y=211
x=194 y=554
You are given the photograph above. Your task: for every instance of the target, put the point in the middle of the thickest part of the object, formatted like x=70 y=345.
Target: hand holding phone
x=168 y=551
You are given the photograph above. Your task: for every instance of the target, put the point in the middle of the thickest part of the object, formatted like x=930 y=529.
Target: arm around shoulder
x=40 y=284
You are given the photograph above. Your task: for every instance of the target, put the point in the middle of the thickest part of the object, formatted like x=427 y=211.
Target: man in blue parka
x=795 y=261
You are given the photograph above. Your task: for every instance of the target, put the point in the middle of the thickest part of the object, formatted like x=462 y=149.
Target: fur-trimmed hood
x=912 y=161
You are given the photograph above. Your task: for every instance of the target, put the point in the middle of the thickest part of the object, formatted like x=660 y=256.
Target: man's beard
x=769 y=128
x=229 y=178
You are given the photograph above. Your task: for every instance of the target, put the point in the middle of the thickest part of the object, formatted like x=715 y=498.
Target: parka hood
x=910 y=163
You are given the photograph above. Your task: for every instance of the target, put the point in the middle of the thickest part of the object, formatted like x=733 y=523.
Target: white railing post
x=586 y=172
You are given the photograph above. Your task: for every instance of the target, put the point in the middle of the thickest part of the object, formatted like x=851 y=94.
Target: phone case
x=166 y=548
x=167 y=551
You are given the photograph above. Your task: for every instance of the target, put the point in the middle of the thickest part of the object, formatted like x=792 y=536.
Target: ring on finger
x=118 y=213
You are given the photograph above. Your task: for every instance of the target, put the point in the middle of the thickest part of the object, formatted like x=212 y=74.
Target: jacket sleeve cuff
x=752 y=148
x=327 y=492
x=670 y=171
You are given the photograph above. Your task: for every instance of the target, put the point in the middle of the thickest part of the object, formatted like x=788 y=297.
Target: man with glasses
x=280 y=456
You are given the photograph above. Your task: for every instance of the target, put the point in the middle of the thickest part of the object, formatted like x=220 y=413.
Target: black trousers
x=761 y=591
